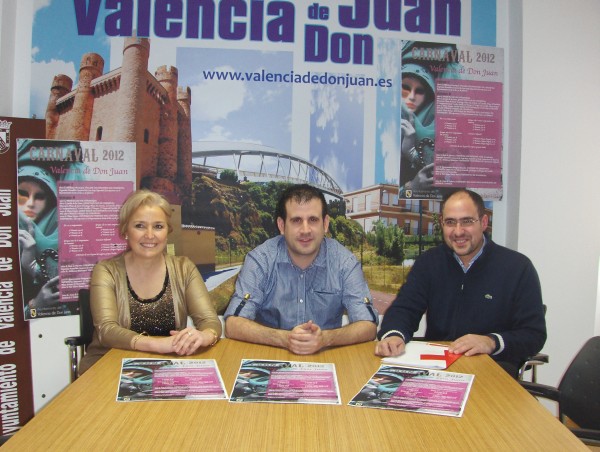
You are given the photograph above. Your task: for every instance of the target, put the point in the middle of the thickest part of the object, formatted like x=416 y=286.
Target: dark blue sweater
x=500 y=293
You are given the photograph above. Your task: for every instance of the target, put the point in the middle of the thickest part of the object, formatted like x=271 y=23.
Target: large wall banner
x=319 y=81
x=378 y=103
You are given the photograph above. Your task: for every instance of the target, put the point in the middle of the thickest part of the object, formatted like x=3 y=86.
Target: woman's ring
x=189 y=333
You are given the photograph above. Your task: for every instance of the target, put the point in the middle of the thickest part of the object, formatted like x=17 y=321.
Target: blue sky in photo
x=336 y=133
x=247 y=111
x=57 y=48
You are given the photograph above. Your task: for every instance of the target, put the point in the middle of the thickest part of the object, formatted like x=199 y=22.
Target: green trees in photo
x=388 y=241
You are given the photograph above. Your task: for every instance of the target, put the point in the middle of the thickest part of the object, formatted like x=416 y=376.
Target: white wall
x=559 y=217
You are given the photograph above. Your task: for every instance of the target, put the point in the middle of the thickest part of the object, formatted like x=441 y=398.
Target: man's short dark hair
x=475 y=197
x=300 y=193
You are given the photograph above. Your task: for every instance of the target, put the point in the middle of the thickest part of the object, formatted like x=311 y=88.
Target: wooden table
x=499 y=414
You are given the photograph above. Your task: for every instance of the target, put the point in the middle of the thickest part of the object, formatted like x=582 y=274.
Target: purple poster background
x=469 y=134
x=88 y=230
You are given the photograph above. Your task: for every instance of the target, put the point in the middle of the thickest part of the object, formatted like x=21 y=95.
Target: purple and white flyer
x=417 y=390
x=170 y=379
x=286 y=382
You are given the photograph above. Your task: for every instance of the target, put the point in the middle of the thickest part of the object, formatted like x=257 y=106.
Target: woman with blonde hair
x=140 y=299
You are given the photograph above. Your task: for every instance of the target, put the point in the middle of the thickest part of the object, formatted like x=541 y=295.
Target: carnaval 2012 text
x=274 y=21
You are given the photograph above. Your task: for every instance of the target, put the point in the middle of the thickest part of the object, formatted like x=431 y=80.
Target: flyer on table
x=170 y=379
x=286 y=382
x=417 y=390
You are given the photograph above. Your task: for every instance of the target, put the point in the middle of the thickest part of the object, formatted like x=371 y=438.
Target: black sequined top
x=156 y=315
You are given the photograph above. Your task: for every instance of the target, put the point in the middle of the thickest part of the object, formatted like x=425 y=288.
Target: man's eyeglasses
x=464 y=222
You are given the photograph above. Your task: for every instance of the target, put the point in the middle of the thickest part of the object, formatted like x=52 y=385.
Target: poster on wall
x=228 y=102
x=451 y=119
x=69 y=197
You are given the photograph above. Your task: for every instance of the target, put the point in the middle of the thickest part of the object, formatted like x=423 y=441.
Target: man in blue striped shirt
x=293 y=289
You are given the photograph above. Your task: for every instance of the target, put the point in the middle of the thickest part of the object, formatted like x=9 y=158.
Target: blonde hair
x=138 y=199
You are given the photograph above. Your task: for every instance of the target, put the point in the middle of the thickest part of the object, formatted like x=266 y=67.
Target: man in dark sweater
x=483 y=297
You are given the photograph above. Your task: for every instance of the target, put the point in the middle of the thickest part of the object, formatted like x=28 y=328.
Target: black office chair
x=578 y=393
x=531 y=364
x=86 y=326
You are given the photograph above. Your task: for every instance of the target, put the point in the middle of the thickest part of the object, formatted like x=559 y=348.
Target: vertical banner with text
x=16 y=396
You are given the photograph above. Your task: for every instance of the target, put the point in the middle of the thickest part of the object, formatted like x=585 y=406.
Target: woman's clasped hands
x=189 y=340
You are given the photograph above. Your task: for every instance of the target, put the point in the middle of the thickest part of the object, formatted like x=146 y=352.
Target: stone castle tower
x=61 y=86
x=129 y=104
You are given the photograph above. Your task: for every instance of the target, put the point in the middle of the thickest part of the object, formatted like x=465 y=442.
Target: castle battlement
x=184 y=93
x=164 y=73
x=133 y=41
x=92 y=60
x=62 y=82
